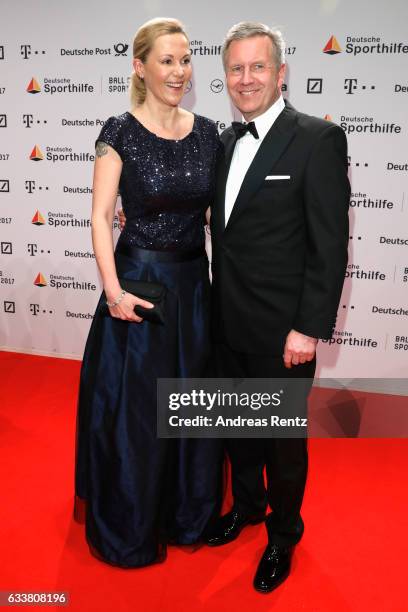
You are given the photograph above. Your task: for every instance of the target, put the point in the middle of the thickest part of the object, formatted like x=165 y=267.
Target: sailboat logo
x=332 y=46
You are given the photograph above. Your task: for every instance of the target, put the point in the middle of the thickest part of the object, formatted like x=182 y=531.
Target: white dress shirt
x=245 y=150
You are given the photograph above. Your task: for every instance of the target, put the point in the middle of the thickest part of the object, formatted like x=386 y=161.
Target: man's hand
x=298 y=348
x=122 y=219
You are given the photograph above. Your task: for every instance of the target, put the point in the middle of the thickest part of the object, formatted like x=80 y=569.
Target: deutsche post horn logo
x=120 y=49
x=332 y=46
x=40 y=280
x=33 y=87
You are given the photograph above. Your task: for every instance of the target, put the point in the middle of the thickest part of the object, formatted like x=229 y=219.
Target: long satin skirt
x=140 y=491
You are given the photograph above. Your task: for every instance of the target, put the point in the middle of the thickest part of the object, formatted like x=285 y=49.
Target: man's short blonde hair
x=249 y=29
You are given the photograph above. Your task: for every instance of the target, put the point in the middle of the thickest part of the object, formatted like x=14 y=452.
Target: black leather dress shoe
x=273 y=568
x=229 y=526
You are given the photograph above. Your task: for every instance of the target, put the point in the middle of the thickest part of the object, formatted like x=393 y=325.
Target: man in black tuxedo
x=279 y=230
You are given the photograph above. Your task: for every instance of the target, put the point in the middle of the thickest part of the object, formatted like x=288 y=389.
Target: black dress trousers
x=285 y=459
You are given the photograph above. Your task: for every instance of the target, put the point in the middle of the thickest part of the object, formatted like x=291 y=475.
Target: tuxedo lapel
x=270 y=151
x=224 y=162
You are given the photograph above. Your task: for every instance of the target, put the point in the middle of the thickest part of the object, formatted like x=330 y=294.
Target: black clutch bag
x=154 y=293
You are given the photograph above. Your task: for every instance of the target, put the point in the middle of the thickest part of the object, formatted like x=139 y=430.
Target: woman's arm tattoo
x=101 y=149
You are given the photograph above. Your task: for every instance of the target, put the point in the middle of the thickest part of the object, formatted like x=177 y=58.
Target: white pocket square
x=277 y=177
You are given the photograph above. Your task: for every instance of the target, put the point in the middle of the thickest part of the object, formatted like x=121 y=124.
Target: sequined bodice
x=166 y=185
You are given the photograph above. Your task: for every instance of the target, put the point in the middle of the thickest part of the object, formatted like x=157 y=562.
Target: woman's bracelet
x=118 y=299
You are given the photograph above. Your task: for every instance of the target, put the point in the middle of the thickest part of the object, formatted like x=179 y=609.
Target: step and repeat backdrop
x=64 y=69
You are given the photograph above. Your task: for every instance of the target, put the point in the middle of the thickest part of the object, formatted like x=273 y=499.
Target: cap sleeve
x=111 y=134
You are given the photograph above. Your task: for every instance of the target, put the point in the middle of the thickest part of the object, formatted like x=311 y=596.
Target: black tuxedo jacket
x=280 y=262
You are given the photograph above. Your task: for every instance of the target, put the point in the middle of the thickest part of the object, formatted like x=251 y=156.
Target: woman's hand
x=125 y=309
x=122 y=219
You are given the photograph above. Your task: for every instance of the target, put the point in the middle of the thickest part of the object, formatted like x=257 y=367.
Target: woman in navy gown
x=141 y=491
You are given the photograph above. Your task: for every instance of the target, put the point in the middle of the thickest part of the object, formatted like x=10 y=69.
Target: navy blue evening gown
x=141 y=492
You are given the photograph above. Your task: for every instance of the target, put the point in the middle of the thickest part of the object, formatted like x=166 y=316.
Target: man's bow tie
x=242 y=128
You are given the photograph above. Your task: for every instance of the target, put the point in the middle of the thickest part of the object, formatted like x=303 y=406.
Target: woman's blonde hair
x=142 y=45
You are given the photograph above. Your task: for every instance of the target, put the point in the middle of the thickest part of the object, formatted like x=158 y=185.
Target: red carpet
x=352 y=556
